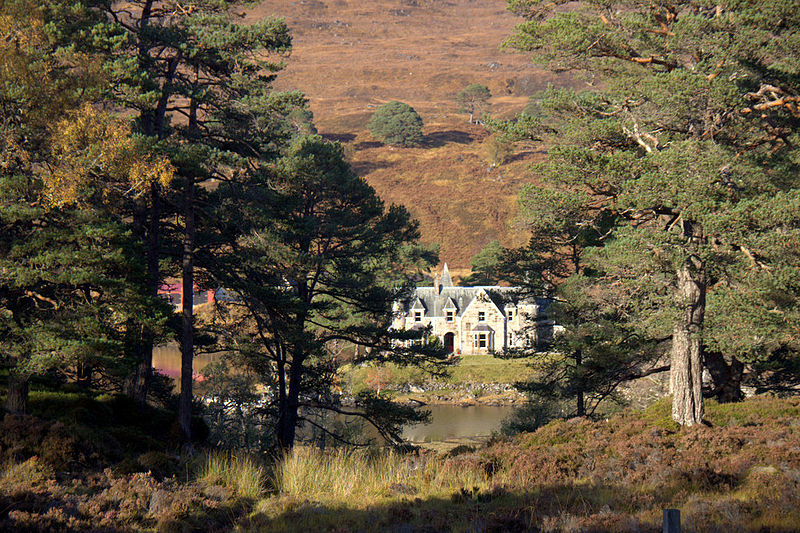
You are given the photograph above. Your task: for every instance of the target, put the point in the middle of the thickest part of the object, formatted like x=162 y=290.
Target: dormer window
x=481 y=316
x=449 y=315
x=417 y=316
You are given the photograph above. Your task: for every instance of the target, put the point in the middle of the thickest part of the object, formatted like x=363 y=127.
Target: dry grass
x=350 y=56
x=241 y=473
x=346 y=475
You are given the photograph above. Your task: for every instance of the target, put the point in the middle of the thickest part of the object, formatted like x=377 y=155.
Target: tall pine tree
x=687 y=139
x=315 y=258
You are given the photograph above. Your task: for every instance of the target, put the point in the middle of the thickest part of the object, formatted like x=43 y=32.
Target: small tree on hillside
x=396 y=123
x=485 y=265
x=474 y=100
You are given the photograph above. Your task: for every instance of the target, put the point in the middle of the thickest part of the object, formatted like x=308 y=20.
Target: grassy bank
x=474 y=379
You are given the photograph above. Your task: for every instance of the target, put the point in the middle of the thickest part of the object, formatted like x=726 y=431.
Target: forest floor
x=95 y=463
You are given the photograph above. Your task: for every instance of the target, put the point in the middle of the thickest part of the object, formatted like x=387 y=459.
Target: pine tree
x=690 y=147
x=396 y=123
x=485 y=265
x=67 y=264
x=313 y=256
x=473 y=100
x=185 y=70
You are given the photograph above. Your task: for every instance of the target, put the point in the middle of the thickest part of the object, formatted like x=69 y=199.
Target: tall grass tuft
x=347 y=474
x=239 y=472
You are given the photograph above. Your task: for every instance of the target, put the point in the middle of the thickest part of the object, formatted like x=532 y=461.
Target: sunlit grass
x=239 y=472
x=347 y=475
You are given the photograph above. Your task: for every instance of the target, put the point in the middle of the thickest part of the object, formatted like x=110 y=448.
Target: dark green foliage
x=199 y=84
x=682 y=167
x=396 y=123
x=70 y=431
x=595 y=354
x=69 y=274
x=530 y=416
x=486 y=265
x=316 y=259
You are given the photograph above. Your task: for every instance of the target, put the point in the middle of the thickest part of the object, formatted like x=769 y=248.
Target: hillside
x=350 y=56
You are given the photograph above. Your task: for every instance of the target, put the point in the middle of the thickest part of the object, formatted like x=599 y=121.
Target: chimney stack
x=437 y=287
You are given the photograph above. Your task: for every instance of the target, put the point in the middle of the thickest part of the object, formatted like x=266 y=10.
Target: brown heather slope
x=350 y=56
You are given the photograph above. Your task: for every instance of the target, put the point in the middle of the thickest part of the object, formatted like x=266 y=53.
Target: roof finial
x=447 y=281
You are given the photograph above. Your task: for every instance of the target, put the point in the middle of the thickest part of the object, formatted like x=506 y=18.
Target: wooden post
x=672 y=521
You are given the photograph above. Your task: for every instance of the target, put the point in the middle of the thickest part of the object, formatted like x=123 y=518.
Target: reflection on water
x=167 y=360
x=453 y=422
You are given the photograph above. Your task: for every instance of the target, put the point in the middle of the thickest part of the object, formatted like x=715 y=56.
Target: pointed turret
x=447 y=281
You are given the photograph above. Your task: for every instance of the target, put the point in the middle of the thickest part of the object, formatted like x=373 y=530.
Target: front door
x=449 y=342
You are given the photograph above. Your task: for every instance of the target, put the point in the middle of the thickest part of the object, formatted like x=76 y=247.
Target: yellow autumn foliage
x=93 y=147
x=20 y=37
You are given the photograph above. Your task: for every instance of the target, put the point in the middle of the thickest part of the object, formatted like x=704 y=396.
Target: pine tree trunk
x=686 y=378
x=139 y=385
x=287 y=423
x=17 y=396
x=83 y=376
x=581 y=407
x=187 y=332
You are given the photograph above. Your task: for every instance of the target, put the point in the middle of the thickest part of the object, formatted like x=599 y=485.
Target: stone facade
x=474 y=320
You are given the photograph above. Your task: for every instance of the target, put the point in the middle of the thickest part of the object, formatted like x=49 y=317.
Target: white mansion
x=474 y=320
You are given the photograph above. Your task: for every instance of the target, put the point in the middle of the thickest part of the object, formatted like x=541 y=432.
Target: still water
x=453 y=422
x=447 y=421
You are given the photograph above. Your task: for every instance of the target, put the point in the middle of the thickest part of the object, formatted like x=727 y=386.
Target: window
x=481 y=340
x=449 y=316
x=481 y=316
x=417 y=316
x=510 y=314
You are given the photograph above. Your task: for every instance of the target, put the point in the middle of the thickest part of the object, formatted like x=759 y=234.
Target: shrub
x=529 y=417
x=396 y=123
x=498 y=151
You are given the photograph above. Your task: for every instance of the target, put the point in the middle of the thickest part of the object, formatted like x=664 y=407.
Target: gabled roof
x=418 y=304
x=481 y=291
x=451 y=297
x=482 y=327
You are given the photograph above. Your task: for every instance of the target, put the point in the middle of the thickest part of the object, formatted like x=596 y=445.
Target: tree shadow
x=338 y=137
x=364 y=145
x=525 y=154
x=494 y=510
x=365 y=167
x=440 y=138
